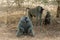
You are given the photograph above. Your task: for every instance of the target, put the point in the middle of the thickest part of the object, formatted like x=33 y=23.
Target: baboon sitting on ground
x=47 y=19
x=25 y=26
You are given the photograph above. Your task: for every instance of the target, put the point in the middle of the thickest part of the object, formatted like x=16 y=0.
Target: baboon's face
x=40 y=9
x=25 y=20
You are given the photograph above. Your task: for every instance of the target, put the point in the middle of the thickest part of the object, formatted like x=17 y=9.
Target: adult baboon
x=25 y=26
x=36 y=12
x=47 y=18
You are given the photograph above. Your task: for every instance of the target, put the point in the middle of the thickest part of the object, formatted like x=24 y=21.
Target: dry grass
x=8 y=32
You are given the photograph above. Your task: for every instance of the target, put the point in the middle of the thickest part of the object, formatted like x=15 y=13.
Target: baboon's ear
x=42 y=8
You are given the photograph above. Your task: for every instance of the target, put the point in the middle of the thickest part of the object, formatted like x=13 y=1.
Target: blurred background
x=12 y=10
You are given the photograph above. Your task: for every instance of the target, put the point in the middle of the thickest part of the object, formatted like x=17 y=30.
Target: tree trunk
x=58 y=10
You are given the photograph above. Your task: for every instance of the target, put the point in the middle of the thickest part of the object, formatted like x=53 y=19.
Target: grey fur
x=25 y=26
x=36 y=12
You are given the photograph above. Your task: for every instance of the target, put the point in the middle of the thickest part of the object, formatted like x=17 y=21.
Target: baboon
x=47 y=18
x=25 y=26
x=36 y=12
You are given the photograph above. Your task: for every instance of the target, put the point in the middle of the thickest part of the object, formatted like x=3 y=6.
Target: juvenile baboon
x=36 y=12
x=47 y=18
x=25 y=26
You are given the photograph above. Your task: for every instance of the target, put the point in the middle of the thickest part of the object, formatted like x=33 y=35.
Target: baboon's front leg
x=19 y=33
x=30 y=31
x=40 y=19
x=37 y=20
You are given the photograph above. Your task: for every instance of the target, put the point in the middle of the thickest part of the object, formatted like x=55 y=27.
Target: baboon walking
x=36 y=12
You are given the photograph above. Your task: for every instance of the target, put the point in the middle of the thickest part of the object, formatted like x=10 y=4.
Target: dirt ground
x=50 y=32
x=44 y=32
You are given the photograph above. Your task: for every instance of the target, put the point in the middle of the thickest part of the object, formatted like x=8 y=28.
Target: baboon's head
x=25 y=20
x=48 y=13
x=40 y=9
